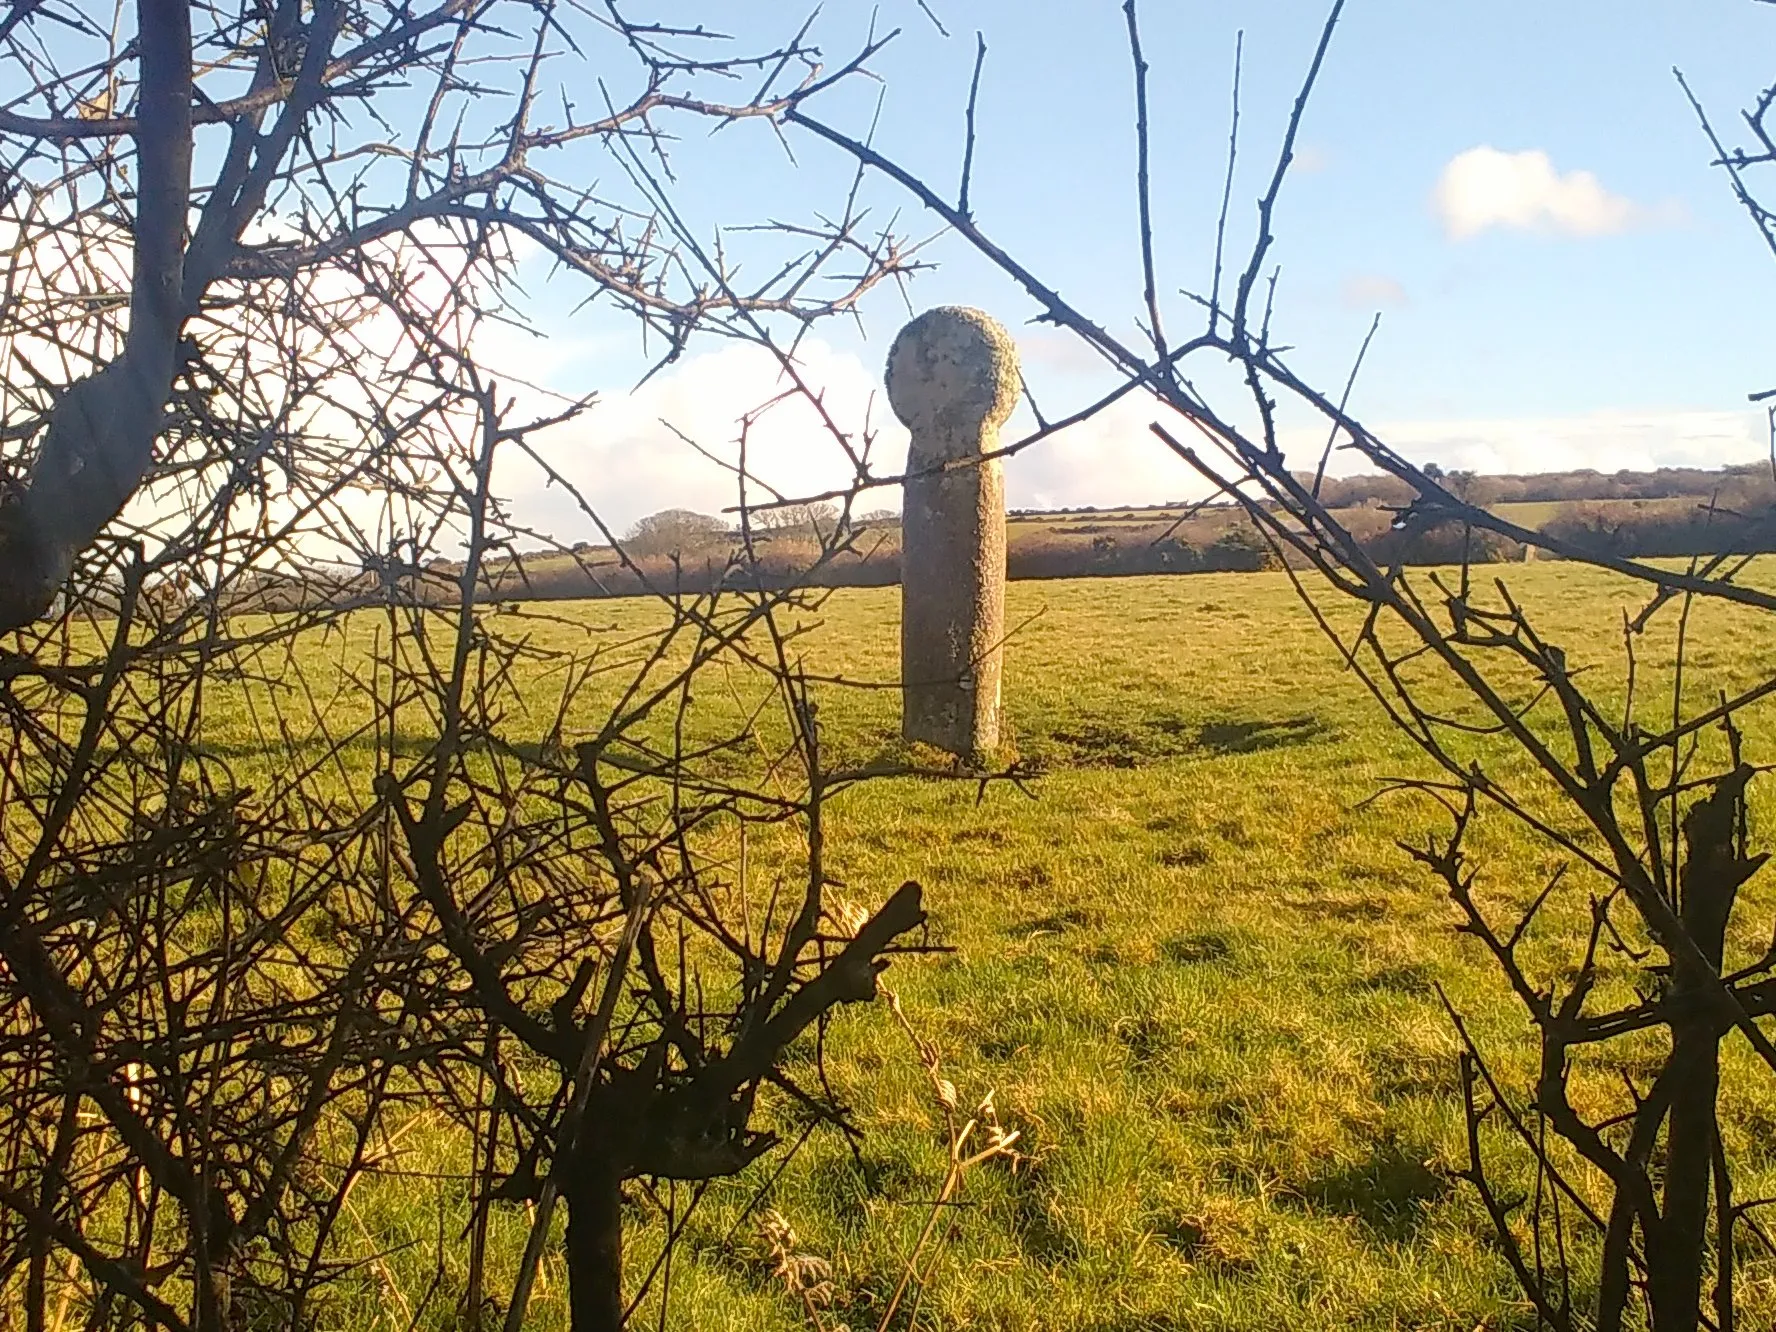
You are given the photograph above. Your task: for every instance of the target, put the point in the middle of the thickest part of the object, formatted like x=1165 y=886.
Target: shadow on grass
x=1389 y=1193
x=1041 y=1234
x=845 y=1185
x=1192 y=949
x=1059 y=922
x=1249 y=737
x=1223 y=1248
x=1120 y=743
x=1362 y=910
x=1408 y=978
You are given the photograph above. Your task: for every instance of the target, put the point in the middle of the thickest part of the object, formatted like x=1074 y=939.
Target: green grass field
x=1195 y=970
x=1196 y=973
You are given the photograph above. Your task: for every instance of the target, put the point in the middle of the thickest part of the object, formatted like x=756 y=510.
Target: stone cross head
x=953 y=380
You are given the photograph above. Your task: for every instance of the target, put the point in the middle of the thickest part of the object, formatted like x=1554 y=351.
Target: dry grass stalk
x=970 y=1142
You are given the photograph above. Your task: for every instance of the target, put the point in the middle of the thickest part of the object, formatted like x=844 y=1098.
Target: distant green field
x=1196 y=971
x=1534 y=513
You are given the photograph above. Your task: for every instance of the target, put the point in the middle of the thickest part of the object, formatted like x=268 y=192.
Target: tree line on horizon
x=1625 y=514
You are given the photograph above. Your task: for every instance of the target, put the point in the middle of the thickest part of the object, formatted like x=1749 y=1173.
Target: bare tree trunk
x=593 y=1193
x=1678 y=1253
x=100 y=439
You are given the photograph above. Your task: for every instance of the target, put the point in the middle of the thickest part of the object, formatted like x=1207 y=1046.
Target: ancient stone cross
x=953 y=380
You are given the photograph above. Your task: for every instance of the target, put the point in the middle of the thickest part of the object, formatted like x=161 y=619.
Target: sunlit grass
x=1196 y=970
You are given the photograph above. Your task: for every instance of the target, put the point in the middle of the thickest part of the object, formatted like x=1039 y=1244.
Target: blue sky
x=1519 y=188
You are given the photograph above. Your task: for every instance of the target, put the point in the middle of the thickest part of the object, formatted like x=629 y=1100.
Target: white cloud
x=627 y=457
x=1044 y=350
x=1311 y=158
x=627 y=462
x=1369 y=291
x=1484 y=188
x=1109 y=460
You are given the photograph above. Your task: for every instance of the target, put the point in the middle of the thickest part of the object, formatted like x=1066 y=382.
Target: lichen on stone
x=953 y=380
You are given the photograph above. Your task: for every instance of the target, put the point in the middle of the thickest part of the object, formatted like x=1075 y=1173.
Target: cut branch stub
x=953 y=380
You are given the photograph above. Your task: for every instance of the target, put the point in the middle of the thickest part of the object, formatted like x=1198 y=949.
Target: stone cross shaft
x=953 y=380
